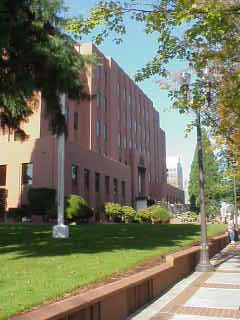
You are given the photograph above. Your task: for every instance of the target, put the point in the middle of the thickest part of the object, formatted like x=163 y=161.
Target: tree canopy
x=36 y=55
x=198 y=32
x=212 y=178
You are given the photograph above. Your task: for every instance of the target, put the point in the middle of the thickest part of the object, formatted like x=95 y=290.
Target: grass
x=36 y=268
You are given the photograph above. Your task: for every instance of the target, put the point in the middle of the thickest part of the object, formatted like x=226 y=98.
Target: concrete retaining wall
x=119 y=299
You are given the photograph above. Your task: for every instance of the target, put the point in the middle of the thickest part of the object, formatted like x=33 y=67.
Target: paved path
x=202 y=296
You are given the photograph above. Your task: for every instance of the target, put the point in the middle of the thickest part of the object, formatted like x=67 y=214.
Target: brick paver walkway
x=202 y=296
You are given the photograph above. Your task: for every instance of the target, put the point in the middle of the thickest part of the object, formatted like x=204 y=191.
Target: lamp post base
x=201 y=267
x=60 y=231
x=204 y=264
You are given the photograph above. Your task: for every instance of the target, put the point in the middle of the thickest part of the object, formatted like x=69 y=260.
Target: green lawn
x=36 y=268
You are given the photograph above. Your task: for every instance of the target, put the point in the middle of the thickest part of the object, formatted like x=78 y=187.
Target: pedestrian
x=231 y=230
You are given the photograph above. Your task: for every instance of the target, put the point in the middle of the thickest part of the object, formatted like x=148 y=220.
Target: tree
x=210 y=37
x=36 y=55
x=212 y=178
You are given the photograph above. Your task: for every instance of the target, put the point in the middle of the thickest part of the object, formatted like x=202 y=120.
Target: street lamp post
x=204 y=264
x=61 y=230
x=235 y=205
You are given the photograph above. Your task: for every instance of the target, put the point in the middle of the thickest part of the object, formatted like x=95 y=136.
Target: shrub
x=113 y=209
x=17 y=213
x=41 y=200
x=128 y=212
x=143 y=215
x=77 y=209
x=159 y=214
x=3 y=200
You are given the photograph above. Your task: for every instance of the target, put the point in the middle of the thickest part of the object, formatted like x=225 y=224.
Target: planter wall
x=119 y=299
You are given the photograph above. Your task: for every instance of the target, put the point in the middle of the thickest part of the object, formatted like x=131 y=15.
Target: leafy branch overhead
x=196 y=32
x=36 y=56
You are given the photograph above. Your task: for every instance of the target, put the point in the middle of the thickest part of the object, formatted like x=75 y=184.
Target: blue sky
x=136 y=50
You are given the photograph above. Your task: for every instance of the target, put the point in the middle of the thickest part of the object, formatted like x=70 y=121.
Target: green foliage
x=211 y=174
x=3 y=200
x=128 y=212
x=159 y=214
x=113 y=209
x=35 y=55
x=143 y=215
x=41 y=200
x=77 y=208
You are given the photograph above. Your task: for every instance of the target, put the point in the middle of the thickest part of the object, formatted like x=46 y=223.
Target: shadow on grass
x=37 y=241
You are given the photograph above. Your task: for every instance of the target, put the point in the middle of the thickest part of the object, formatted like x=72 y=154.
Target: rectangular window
x=119 y=139
x=98 y=100
x=98 y=128
x=3 y=175
x=105 y=104
x=105 y=78
x=105 y=132
x=97 y=181
x=75 y=121
x=125 y=143
x=118 y=114
x=125 y=93
x=27 y=173
x=86 y=179
x=115 y=186
x=74 y=174
x=123 y=190
x=118 y=89
x=107 y=180
x=98 y=72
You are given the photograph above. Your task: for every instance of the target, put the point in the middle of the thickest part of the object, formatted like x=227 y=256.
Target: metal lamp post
x=235 y=206
x=61 y=230
x=204 y=264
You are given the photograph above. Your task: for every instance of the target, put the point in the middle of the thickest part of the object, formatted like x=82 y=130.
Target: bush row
x=153 y=214
x=42 y=202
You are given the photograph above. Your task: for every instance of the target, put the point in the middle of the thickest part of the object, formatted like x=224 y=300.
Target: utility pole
x=61 y=230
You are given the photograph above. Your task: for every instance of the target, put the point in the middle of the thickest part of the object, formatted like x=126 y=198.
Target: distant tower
x=179 y=175
x=175 y=173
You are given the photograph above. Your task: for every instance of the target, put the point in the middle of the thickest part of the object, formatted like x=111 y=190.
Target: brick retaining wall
x=119 y=299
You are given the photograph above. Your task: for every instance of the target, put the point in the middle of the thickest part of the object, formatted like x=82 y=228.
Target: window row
x=27 y=174
x=97 y=177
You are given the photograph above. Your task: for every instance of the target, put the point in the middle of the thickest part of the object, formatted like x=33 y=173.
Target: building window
x=105 y=132
x=3 y=175
x=105 y=78
x=125 y=143
x=75 y=121
x=107 y=181
x=115 y=186
x=98 y=100
x=98 y=128
x=135 y=126
x=119 y=139
x=27 y=173
x=105 y=104
x=86 y=179
x=130 y=123
x=118 y=89
x=97 y=181
x=125 y=93
x=118 y=114
x=74 y=174
x=129 y=99
x=130 y=144
x=123 y=190
x=98 y=72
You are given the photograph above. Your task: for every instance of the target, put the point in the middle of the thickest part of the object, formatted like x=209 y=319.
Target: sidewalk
x=202 y=296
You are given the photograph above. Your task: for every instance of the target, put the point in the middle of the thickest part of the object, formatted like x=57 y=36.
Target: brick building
x=115 y=149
